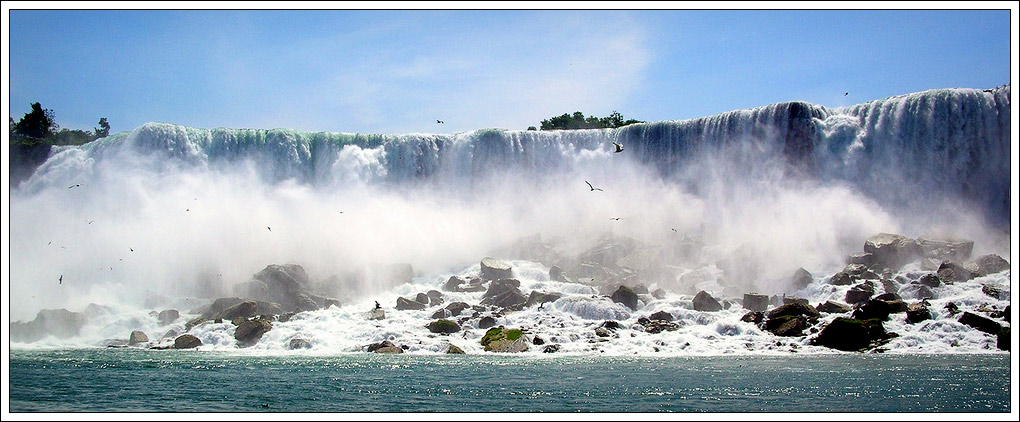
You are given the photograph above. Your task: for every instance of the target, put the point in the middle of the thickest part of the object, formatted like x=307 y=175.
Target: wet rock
x=299 y=343
x=499 y=340
x=435 y=297
x=945 y=249
x=661 y=316
x=409 y=305
x=918 y=312
x=995 y=292
x=59 y=323
x=863 y=258
x=793 y=299
x=422 y=298
x=486 y=322
x=851 y=274
x=917 y=291
x=612 y=325
x=555 y=272
x=537 y=297
x=852 y=335
x=889 y=297
x=754 y=317
x=453 y=283
x=187 y=341
x=831 y=307
x=286 y=285
x=706 y=303
x=952 y=272
x=168 y=316
x=250 y=331
x=659 y=294
x=625 y=296
x=878 y=309
x=756 y=302
x=787 y=326
x=654 y=326
x=860 y=293
x=454 y=350
x=930 y=280
x=892 y=250
x=552 y=348
x=114 y=343
x=952 y=308
x=443 y=326
x=538 y=341
x=389 y=350
x=980 y=323
x=137 y=337
x=800 y=279
x=494 y=269
x=794 y=309
x=441 y=314
x=989 y=264
x=603 y=332
x=505 y=294
x=456 y=308
x=1002 y=339
x=385 y=346
x=378 y=314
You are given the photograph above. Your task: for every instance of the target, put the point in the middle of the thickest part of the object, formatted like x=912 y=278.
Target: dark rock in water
x=892 y=250
x=137 y=337
x=538 y=341
x=555 y=273
x=168 y=316
x=831 y=307
x=603 y=332
x=952 y=272
x=59 y=323
x=250 y=331
x=980 y=323
x=286 y=285
x=406 y=304
x=794 y=309
x=800 y=279
x=486 y=322
x=654 y=326
x=625 y=296
x=787 y=326
x=114 y=343
x=435 y=297
x=995 y=291
x=756 y=302
x=299 y=343
x=454 y=350
x=246 y=309
x=187 y=341
x=929 y=280
x=659 y=294
x=851 y=274
x=552 y=348
x=661 y=316
x=888 y=297
x=852 y=335
x=443 y=326
x=754 y=317
x=878 y=309
x=989 y=264
x=918 y=312
x=501 y=340
x=945 y=249
x=494 y=269
x=171 y=333
x=860 y=293
x=706 y=303
x=917 y=291
x=376 y=346
x=422 y=298
x=453 y=283
x=612 y=325
x=1002 y=339
x=456 y=308
x=506 y=294
x=793 y=299
x=389 y=350
x=890 y=286
x=537 y=297
x=952 y=308
x=863 y=258
x=441 y=314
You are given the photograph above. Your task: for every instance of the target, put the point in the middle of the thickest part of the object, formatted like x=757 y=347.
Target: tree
x=39 y=123
x=103 y=130
x=578 y=121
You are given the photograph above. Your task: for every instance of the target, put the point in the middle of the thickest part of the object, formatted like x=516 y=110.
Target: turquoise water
x=107 y=380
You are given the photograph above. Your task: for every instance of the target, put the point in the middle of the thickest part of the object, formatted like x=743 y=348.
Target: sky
x=399 y=71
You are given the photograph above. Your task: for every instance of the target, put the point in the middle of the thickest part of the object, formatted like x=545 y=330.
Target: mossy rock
x=443 y=326
x=506 y=341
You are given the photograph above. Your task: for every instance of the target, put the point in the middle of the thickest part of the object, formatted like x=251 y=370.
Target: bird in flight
x=267 y=227
x=61 y=279
x=92 y=221
x=132 y=249
x=846 y=93
x=440 y=122
x=593 y=189
x=74 y=186
x=619 y=147
x=674 y=230
x=615 y=218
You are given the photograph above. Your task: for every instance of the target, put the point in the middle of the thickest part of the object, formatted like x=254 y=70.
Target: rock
x=443 y=326
x=831 y=307
x=929 y=280
x=506 y=294
x=892 y=250
x=995 y=291
x=504 y=341
x=864 y=258
x=376 y=346
x=918 y=312
x=661 y=316
x=917 y=291
x=860 y=293
x=406 y=304
x=851 y=335
x=603 y=332
x=980 y=323
x=422 y=298
x=538 y=341
x=286 y=285
x=851 y=274
x=989 y=264
x=442 y=314
x=952 y=308
x=756 y=302
x=299 y=343
x=246 y=309
x=59 y=323
x=114 y=343
x=486 y=322
x=889 y=297
x=952 y=272
x=250 y=331
x=754 y=317
x=659 y=294
x=454 y=350
x=793 y=299
x=878 y=309
x=1002 y=339
x=706 y=303
x=494 y=269
x=787 y=326
x=552 y=348
x=456 y=308
x=171 y=333
x=435 y=297
x=654 y=326
x=537 y=297
x=389 y=350
x=626 y=297
x=612 y=325
x=137 y=337
x=168 y=316
x=453 y=283
x=555 y=272
x=794 y=309
x=945 y=249
x=187 y=341
x=800 y=279
x=377 y=314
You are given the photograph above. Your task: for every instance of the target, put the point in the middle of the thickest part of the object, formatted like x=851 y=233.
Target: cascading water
x=184 y=214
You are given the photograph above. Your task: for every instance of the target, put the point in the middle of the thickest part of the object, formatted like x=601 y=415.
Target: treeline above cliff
x=35 y=133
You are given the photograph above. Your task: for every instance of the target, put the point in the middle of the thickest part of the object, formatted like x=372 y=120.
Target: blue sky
x=400 y=71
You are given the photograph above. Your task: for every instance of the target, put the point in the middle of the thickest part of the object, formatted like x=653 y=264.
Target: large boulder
x=299 y=343
x=501 y=340
x=791 y=320
x=435 y=297
x=980 y=323
x=851 y=274
x=945 y=249
x=661 y=316
x=486 y=322
x=137 y=337
x=918 y=312
x=456 y=308
x=989 y=264
x=794 y=309
x=168 y=316
x=407 y=304
x=953 y=272
x=917 y=291
x=860 y=293
x=443 y=326
x=494 y=269
x=831 y=307
x=59 y=323
x=286 y=285
x=250 y=331
x=384 y=346
x=505 y=293
x=187 y=341
x=852 y=335
x=800 y=279
x=995 y=291
x=1002 y=339
x=879 y=309
x=929 y=280
x=454 y=350
x=892 y=250
x=756 y=302
x=537 y=297
x=626 y=297
x=706 y=303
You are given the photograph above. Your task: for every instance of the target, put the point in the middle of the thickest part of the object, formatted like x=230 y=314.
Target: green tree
x=103 y=130
x=577 y=120
x=39 y=123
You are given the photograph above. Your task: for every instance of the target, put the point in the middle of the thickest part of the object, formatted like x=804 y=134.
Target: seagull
x=615 y=218
x=61 y=279
x=187 y=209
x=269 y=228
x=593 y=189
x=846 y=93
x=674 y=230
x=619 y=147
x=439 y=122
x=132 y=249
x=48 y=243
x=74 y=186
x=92 y=221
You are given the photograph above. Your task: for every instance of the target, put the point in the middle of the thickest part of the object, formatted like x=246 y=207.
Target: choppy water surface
x=101 y=380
